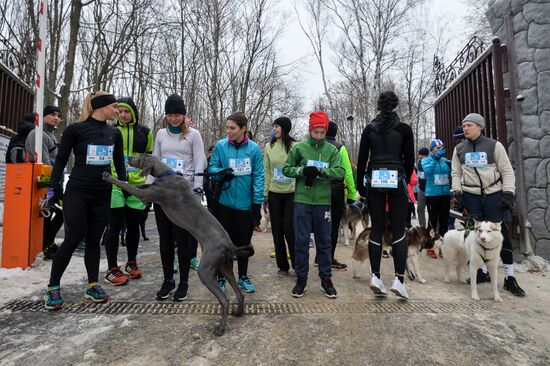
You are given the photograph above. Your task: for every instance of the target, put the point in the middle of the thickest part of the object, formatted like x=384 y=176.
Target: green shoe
x=52 y=298
x=96 y=293
x=195 y=263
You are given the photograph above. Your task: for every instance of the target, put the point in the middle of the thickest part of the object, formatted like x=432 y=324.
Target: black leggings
x=281 y=212
x=168 y=233
x=337 y=202
x=238 y=224
x=86 y=216
x=438 y=211
x=398 y=210
x=117 y=218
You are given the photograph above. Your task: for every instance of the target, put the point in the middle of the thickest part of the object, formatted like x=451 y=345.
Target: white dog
x=481 y=246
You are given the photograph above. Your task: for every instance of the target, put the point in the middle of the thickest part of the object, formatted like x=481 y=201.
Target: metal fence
x=472 y=83
x=16 y=100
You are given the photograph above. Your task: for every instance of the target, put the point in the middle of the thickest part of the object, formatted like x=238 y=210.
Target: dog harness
x=171 y=172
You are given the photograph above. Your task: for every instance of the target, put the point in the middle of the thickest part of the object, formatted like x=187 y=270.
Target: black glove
x=125 y=194
x=350 y=201
x=507 y=201
x=256 y=214
x=311 y=171
x=52 y=197
x=227 y=174
x=459 y=201
x=198 y=191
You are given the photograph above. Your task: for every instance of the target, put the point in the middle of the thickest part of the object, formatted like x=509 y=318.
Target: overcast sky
x=295 y=46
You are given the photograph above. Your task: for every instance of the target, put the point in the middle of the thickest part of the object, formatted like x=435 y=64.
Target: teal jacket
x=436 y=173
x=317 y=153
x=246 y=160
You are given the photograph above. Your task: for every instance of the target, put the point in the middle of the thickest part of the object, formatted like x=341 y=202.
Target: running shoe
x=221 y=283
x=399 y=289
x=181 y=292
x=272 y=255
x=328 y=288
x=52 y=298
x=132 y=270
x=300 y=287
x=96 y=293
x=115 y=277
x=377 y=286
x=510 y=284
x=246 y=284
x=166 y=288
x=337 y=266
x=195 y=263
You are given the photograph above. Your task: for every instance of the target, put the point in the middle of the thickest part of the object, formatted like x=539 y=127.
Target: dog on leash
x=353 y=214
x=265 y=222
x=174 y=194
x=480 y=246
x=417 y=238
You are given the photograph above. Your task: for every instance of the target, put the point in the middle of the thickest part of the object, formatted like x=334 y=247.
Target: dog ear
x=146 y=168
x=477 y=224
x=496 y=226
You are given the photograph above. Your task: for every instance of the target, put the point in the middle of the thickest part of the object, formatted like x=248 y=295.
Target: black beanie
x=285 y=124
x=175 y=105
x=49 y=109
x=332 y=129
x=424 y=151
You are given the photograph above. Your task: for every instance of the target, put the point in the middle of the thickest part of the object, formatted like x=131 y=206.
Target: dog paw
x=106 y=176
x=446 y=280
x=475 y=297
x=498 y=299
x=356 y=276
x=237 y=313
x=421 y=280
x=219 y=331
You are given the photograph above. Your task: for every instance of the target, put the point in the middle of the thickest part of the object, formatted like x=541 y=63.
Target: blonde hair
x=87 y=109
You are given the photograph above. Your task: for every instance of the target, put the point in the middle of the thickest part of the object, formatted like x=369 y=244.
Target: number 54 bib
x=99 y=155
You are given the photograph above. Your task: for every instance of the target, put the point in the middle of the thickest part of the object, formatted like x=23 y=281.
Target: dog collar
x=171 y=172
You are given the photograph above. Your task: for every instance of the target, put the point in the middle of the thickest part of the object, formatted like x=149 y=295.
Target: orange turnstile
x=23 y=224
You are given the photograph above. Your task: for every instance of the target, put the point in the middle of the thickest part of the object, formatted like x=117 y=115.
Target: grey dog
x=173 y=193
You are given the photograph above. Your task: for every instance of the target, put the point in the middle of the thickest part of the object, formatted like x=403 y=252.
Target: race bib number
x=99 y=155
x=278 y=176
x=175 y=164
x=384 y=179
x=129 y=168
x=441 y=179
x=421 y=175
x=317 y=163
x=476 y=160
x=241 y=166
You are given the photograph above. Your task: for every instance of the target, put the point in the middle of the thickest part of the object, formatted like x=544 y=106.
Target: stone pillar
x=531 y=26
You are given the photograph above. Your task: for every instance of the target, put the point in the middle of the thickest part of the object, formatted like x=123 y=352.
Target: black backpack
x=16 y=152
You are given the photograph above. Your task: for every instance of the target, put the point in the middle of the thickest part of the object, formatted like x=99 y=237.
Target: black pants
x=398 y=210
x=52 y=225
x=86 y=215
x=238 y=224
x=281 y=212
x=438 y=212
x=117 y=218
x=168 y=234
x=337 y=202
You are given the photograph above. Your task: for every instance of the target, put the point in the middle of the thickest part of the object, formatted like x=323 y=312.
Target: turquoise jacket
x=437 y=172
x=247 y=162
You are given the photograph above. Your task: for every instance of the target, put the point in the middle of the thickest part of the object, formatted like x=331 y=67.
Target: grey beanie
x=475 y=118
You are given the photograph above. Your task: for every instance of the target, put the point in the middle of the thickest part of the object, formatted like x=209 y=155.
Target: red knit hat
x=318 y=119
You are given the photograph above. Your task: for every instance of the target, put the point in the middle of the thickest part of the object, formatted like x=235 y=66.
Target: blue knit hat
x=458 y=133
x=435 y=143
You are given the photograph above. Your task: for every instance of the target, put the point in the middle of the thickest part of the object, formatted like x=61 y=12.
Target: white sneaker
x=399 y=289
x=377 y=286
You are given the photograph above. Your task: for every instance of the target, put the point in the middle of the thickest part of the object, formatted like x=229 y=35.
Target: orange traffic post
x=23 y=224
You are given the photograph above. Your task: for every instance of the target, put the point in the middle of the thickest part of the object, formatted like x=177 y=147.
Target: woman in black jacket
x=86 y=202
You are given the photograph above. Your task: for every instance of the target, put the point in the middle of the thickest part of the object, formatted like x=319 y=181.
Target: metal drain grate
x=125 y=307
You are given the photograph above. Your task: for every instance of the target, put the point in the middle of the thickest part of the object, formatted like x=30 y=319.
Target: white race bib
x=99 y=155
x=241 y=166
x=175 y=164
x=441 y=179
x=384 y=179
x=476 y=160
x=421 y=175
x=278 y=176
x=317 y=163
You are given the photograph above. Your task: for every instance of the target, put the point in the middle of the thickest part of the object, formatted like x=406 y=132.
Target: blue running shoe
x=246 y=284
x=96 y=293
x=221 y=283
x=195 y=263
x=52 y=298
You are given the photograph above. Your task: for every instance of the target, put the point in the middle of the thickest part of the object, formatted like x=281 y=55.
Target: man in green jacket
x=314 y=163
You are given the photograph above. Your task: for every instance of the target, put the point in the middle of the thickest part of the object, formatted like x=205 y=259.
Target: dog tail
x=244 y=251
